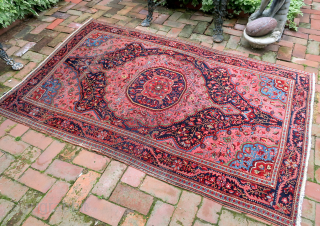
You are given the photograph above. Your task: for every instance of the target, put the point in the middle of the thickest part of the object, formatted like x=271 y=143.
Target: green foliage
x=10 y=10
x=249 y=6
x=294 y=11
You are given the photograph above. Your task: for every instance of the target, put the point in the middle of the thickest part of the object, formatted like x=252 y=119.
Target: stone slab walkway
x=44 y=181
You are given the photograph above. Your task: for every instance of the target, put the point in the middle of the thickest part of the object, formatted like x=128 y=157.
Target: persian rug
x=233 y=129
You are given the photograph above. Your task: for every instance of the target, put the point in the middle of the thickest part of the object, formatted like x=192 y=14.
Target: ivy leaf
x=34 y=12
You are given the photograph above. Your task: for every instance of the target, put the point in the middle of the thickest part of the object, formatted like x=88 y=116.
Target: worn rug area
x=232 y=129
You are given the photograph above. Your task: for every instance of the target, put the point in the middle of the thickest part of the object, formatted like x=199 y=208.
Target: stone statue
x=278 y=10
x=271 y=12
x=151 y=7
x=219 y=13
x=9 y=61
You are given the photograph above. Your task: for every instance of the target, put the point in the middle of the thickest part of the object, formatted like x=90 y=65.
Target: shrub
x=11 y=10
x=249 y=6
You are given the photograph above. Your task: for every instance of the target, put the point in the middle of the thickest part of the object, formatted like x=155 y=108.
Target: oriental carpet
x=232 y=129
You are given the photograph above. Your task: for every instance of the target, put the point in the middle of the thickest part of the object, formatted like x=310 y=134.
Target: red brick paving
x=65 y=216
x=12 y=189
x=176 y=207
x=51 y=200
x=161 y=19
x=312 y=191
x=20 y=129
x=6 y=126
x=5 y=161
x=310 y=173
x=8 y=144
x=74 y=1
x=134 y=219
x=305 y=62
x=186 y=209
x=299 y=51
x=308 y=209
x=132 y=198
x=31 y=221
x=240 y=27
x=200 y=223
x=11 y=83
x=20 y=165
x=37 y=139
x=109 y=179
x=133 y=177
x=74 y=25
x=27 y=68
x=313 y=57
x=55 y=23
x=91 y=160
x=46 y=157
x=317 y=221
x=37 y=180
x=286 y=43
x=284 y=53
x=161 y=190
x=317 y=175
x=161 y=214
x=64 y=170
x=208 y=211
x=102 y=210
x=5 y=207
x=80 y=189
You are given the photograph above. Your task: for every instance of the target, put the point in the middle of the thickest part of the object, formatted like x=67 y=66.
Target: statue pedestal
x=275 y=35
x=263 y=41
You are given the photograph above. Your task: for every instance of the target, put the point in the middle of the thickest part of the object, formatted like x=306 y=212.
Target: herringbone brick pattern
x=44 y=181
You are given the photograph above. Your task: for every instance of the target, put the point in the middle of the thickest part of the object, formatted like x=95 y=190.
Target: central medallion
x=157 y=88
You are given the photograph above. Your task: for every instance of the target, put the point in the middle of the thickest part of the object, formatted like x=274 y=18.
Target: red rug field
x=232 y=129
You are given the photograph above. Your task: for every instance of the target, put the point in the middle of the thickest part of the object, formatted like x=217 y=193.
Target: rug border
x=164 y=37
x=269 y=220
x=273 y=182
x=309 y=135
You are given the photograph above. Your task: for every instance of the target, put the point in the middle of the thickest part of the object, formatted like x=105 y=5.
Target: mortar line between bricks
x=145 y=176
x=136 y=188
x=176 y=206
x=83 y=201
x=15 y=205
x=199 y=206
x=117 y=181
x=155 y=200
x=143 y=179
x=54 y=210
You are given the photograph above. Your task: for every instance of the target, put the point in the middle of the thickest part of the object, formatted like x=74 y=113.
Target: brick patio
x=46 y=182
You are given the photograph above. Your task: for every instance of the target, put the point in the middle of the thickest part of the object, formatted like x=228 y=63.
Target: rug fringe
x=304 y=181
x=302 y=193
x=45 y=61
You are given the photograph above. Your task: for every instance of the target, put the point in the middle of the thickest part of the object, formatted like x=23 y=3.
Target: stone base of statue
x=263 y=41
x=275 y=35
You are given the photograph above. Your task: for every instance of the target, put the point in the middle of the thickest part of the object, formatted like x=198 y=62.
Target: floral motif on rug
x=230 y=128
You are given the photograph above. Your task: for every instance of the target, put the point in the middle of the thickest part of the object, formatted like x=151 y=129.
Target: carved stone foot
x=9 y=61
x=17 y=66
x=254 y=15
x=146 y=23
x=267 y=13
x=217 y=38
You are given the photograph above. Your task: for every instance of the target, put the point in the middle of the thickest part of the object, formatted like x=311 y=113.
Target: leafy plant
x=11 y=10
x=249 y=6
